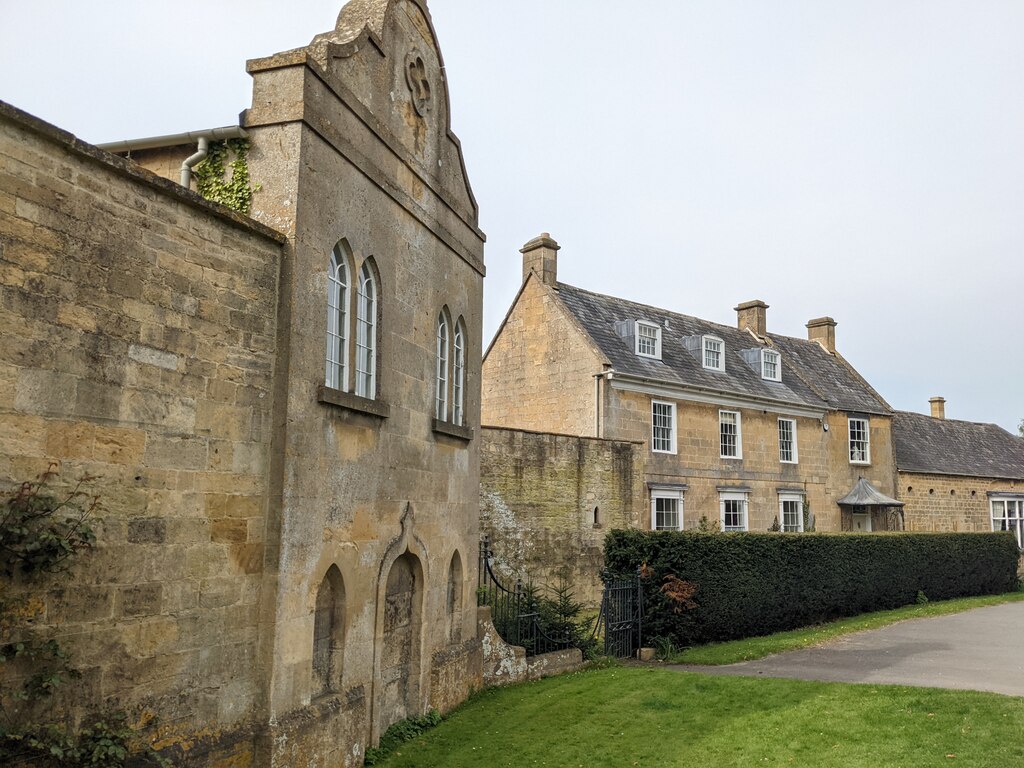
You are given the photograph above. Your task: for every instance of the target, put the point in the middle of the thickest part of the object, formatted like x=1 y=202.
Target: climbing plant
x=236 y=190
x=41 y=532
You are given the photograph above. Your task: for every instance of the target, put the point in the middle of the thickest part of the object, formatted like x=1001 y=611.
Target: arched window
x=366 y=334
x=337 y=319
x=441 y=398
x=458 y=372
x=453 y=600
x=328 y=633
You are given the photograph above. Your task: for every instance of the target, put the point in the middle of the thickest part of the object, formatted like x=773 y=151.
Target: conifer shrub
x=750 y=584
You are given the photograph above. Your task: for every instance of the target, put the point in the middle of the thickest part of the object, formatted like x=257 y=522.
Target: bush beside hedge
x=752 y=584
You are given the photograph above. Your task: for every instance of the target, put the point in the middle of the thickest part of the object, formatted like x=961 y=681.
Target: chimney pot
x=753 y=315
x=540 y=255
x=823 y=331
x=938 y=407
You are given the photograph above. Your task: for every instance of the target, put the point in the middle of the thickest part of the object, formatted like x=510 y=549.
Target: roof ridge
x=956 y=421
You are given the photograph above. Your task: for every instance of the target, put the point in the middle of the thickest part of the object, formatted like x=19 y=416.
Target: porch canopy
x=864 y=494
x=866 y=498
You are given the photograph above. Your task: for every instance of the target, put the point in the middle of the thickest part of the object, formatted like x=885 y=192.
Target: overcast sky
x=855 y=159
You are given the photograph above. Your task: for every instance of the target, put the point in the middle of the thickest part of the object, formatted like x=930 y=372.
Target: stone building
x=959 y=475
x=281 y=410
x=740 y=428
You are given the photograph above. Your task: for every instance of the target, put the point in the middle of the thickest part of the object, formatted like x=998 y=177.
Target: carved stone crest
x=418 y=81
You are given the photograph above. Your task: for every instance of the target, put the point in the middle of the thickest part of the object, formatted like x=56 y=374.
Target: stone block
x=176 y=452
x=45 y=392
x=116 y=445
x=139 y=600
x=231 y=530
x=70 y=440
x=152 y=530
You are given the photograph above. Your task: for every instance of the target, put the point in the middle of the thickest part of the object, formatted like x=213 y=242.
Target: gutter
x=200 y=138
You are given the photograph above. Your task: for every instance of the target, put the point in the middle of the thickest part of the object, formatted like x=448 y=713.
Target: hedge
x=750 y=584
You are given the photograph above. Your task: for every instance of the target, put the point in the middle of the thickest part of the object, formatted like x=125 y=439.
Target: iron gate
x=622 y=614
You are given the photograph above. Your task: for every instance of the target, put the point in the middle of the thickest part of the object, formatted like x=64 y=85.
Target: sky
x=862 y=160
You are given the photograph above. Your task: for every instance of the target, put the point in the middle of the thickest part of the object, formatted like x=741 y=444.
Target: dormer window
x=648 y=339
x=771 y=365
x=714 y=353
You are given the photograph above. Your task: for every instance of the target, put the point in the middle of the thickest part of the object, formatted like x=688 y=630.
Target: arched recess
x=328 y=633
x=453 y=601
x=401 y=641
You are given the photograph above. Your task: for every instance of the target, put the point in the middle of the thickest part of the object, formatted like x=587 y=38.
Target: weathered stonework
x=285 y=569
x=138 y=327
x=547 y=501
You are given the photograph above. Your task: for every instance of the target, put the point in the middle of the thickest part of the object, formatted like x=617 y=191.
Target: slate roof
x=810 y=376
x=950 y=447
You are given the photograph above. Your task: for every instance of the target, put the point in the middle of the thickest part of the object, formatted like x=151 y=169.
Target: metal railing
x=515 y=611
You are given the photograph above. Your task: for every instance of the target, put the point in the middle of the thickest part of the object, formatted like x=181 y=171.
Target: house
x=958 y=475
x=281 y=410
x=741 y=429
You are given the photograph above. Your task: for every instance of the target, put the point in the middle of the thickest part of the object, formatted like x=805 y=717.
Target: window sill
x=457 y=431
x=350 y=402
x=861 y=463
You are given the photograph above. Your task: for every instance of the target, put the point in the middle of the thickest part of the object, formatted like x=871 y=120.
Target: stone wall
x=540 y=379
x=370 y=487
x=547 y=501
x=138 y=326
x=950 y=503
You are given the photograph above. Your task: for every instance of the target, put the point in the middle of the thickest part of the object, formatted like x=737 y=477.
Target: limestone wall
x=698 y=465
x=540 y=495
x=138 y=338
x=539 y=373
x=370 y=485
x=950 y=503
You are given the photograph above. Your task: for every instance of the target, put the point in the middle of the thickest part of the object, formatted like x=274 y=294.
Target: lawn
x=758 y=647
x=657 y=718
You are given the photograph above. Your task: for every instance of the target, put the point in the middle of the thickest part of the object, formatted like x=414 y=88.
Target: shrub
x=750 y=584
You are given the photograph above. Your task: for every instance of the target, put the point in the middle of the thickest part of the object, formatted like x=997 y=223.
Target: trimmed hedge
x=751 y=584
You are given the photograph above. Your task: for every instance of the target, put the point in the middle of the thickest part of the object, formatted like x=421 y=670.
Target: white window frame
x=441 y=372
x=1008 y=521
x=459 y=373
x=797 y=498
x=866 y=441
x=672 y=427
x=338 y=315
x=704 y=344
x=657 y=339
x=741 y=496
x=666 y=495
x=366 y=334
x=739 y=435
x=794 y=453
x=766 y=354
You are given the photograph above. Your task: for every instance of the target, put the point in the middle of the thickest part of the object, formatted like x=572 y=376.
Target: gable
x=385 y=52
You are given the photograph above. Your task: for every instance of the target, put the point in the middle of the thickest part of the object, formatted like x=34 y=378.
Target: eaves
x=676 y=391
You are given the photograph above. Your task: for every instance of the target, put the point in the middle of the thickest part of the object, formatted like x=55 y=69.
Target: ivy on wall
x=236 y=190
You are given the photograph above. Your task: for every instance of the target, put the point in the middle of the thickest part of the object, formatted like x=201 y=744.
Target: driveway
x=980 y=650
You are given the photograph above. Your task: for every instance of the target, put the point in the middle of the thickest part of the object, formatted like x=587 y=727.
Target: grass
x=752 y=648
x=643 y=717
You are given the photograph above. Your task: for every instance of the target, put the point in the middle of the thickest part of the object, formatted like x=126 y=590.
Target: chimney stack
x=753 y=315
x=541 y=256
x=823 y=331
x=938 y=407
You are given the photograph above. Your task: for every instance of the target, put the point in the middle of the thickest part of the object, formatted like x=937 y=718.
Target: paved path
x=981 y=650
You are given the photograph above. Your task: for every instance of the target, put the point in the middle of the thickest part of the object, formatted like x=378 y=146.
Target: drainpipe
x=202 y=138
x=200 y=155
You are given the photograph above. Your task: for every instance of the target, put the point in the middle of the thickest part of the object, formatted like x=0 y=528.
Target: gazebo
x=865 y=509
